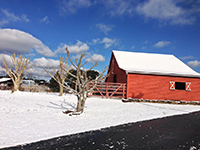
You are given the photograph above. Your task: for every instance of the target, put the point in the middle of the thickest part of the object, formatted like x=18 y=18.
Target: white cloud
x=162 y=44
x=61 y=48
x=12 y=40
x=3 y=22
x=8 y=60
x=165 y=10
x=112 y=7
x=77 y=56
x=194 y=64
x=45 y=20
x=11 y=17
x=95 y=41
x=172 y=11
x=40 y=73
x=71 y=6
x=119 y=7
x=49 y=64
x=187 y=57
x=43 y=62
x=24 y=18
x=79 y=47
x=96 y=58
x=108 y=42
x=104 y=28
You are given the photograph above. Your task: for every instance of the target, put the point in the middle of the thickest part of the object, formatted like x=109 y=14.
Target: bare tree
x=60 y=75
x=20 y=70
x=81 y=81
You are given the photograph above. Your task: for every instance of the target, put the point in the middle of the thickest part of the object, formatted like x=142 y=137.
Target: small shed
x=154 y=76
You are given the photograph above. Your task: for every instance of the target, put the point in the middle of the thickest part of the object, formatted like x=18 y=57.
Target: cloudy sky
x=41 y=29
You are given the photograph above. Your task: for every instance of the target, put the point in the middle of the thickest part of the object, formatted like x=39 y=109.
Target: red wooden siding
x=115 y=70
x=158 y=87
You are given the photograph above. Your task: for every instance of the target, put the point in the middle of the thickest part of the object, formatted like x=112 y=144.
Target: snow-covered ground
x=29 y=117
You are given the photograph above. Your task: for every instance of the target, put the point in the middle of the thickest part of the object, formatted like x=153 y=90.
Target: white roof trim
x=156 y=64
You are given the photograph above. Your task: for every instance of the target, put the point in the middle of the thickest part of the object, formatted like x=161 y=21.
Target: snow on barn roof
x=149 y=63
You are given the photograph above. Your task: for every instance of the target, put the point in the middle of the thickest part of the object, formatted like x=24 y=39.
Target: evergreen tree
x=53 y=85
x=91 y=74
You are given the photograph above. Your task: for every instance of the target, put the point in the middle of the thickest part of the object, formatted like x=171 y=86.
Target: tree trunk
x=61 y=90
x=81 y=103
x=16 y=86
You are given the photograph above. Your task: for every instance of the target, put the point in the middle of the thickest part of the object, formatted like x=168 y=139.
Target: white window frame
x=187 y=86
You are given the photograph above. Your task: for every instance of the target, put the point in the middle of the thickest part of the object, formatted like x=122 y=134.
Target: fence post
x=107 y=94
x=123 y=90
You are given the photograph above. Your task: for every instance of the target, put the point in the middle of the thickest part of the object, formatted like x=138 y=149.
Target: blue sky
x=41 y=30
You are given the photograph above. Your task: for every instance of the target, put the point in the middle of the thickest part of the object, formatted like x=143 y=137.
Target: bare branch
x=84 y=64
x=64 y=85
x=93 y=66
x=70 y=58
x=69 y=72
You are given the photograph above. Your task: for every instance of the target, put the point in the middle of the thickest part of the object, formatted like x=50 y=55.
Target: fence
x=109 y=90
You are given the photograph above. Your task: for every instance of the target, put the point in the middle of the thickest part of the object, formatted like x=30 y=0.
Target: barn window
x=180 y=85
x=115 y=78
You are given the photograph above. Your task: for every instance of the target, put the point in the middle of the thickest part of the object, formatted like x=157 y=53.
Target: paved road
x=171 y=133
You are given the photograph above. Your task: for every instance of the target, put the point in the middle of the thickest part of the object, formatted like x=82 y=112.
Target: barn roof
x=149 y=63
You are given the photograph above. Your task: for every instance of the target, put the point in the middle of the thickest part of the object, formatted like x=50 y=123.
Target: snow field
x=29 y=117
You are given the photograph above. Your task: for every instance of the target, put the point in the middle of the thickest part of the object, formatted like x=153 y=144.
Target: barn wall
x=115 y=70
x=158 y=87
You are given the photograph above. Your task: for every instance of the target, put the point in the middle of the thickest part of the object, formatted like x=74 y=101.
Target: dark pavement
x=180 y=132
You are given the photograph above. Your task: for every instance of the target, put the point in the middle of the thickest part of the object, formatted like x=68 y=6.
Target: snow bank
x=30 y=117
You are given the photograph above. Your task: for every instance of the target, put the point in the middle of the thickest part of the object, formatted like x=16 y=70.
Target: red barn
x=154 y=76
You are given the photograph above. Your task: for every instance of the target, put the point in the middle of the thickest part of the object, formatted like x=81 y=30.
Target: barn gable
x=116 y=74
x=149 y=63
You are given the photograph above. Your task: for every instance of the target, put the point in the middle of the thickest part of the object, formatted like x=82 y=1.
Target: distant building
x=154 y=76
x=28 y=82
x=5 y=83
